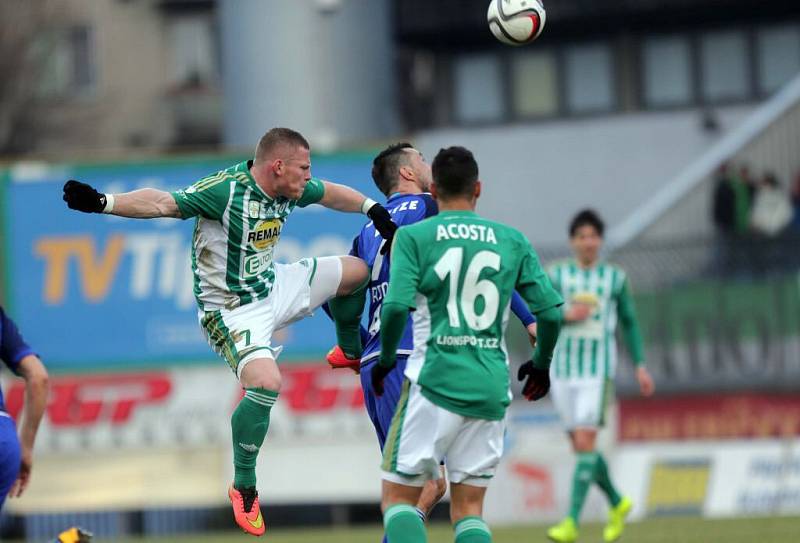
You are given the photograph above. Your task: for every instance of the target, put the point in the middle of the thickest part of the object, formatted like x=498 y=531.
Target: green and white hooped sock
x=472 y=530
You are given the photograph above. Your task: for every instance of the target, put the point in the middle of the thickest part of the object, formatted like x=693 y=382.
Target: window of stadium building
x=534 y=82
x=725 y=68
x=666 y=71
x=778 y=56
x=478 y=86
x=589 y=78
x=194 y=57
x=68 y=68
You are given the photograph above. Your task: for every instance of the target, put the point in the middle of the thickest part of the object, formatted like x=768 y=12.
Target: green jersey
x=237 y=228
x=588 y=349
x=458 y=271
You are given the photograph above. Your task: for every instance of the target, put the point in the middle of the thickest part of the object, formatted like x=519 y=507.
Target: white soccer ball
x=516 y=22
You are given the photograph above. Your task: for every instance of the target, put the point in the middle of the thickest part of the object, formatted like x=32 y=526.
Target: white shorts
x=422 y=435
x=581 y=403
x=245 y=333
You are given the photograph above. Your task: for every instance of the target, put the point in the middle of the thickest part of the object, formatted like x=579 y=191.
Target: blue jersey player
x=401 y=173
x=16 y=454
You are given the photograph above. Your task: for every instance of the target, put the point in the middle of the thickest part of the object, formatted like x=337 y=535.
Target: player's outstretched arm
x=36 y=387
x=138 y=204
x=342 y=198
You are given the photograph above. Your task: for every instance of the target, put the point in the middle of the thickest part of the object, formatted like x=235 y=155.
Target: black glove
x=379 y=373
x=83 y=197
x=537 y=383
x=383 y=224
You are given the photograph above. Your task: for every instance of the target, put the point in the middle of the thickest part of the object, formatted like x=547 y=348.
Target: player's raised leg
x=261 y=381
x=345 y=306
x=346 y=310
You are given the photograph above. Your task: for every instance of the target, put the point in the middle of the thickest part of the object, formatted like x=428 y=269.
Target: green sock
x=472 y=530
x=249 y=425
x=346 y=312
x=403 y=525
x=604 y=481
x=581 y=480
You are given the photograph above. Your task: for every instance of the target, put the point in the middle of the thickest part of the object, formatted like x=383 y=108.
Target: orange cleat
x=249 y=518
x=337 y=359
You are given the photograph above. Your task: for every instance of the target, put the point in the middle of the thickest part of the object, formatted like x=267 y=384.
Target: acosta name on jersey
x=472 y=232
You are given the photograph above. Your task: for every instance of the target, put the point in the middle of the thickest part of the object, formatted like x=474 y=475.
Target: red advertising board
x=717 y=416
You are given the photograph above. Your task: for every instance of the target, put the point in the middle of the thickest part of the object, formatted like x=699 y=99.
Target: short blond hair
x=277 y=137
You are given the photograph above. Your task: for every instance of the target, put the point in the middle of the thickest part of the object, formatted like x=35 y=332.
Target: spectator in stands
x=744 y=188
x=796 y=203
x=771 y=215
x=724 y=210
x=731 y=212
x=772 y=209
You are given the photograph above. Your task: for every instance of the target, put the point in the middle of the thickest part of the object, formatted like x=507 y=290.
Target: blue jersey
x=12 y=348
x=404 y=209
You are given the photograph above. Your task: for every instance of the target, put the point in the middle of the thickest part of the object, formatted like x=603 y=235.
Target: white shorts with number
x=581 y=403
x=244 y=333
x=422 y=435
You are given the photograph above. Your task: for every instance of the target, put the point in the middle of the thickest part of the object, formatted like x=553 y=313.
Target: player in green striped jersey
x=242 y=295
x=457 y=271
x=598 y=297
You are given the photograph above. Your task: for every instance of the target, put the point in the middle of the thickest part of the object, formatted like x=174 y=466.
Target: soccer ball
x=516 y=22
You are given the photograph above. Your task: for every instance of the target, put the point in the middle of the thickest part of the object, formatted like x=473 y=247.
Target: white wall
x=537 y=176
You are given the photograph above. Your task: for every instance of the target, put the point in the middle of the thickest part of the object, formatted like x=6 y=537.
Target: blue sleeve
x=431 y=207
x=520 y=309
x=12 y=347
x=354 y=248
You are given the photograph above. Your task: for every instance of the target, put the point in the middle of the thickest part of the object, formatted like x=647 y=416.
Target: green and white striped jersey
x=237 y=228
x=588 y=349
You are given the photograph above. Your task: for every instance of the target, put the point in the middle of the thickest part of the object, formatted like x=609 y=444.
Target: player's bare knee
x=583 y=440
x=354 y=274
x=268 y=382
x=261 y=373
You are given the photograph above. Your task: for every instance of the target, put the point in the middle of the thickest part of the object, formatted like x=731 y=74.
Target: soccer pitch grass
x=672 y=530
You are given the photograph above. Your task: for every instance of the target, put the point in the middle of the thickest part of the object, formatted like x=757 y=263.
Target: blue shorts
x=9 y=456
x=381 y=409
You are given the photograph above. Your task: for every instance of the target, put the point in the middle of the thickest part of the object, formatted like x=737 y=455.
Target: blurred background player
x=16 y=454
x=597 y=296
x=401 y=173
x=240 y=215
x=457 y=272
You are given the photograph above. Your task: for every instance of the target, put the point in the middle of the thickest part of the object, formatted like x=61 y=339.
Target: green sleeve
x=548 y=325
x=313 y=193
x=404 y=271
x=400 y=297
x=394 y=318
x=207 y=198
x=534 y=285
x=630 y=325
